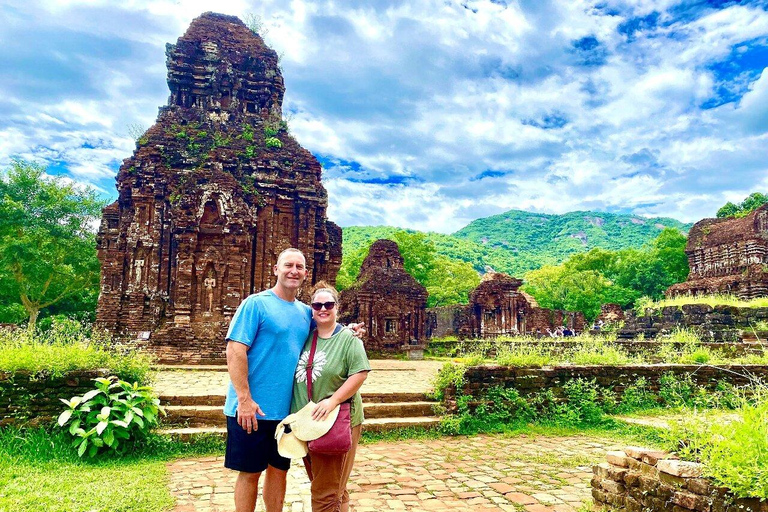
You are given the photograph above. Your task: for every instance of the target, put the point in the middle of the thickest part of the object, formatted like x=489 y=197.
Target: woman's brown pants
x=329 y=475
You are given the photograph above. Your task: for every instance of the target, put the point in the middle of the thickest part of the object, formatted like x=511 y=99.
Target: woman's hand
x=321 y=410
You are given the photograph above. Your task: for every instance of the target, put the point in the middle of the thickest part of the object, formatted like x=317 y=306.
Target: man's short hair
x=289 y=250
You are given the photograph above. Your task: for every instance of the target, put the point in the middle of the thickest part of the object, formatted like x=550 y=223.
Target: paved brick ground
x=489 y=472
x=388 y=376
x=522 y=474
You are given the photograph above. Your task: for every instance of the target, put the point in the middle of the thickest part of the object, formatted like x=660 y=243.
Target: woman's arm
x=347 y=390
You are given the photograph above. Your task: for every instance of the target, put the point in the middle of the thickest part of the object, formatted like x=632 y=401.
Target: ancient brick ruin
x=216 y=188
x=387 y=299
x=727 y=256
x=498 y=308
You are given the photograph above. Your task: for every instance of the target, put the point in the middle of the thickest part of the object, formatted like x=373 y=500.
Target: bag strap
x=309 y=366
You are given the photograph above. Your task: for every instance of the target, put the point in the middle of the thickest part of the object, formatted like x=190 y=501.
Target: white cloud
x=464 y=106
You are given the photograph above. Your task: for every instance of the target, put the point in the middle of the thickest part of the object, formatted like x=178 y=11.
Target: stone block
x=647 y=455
x=699 y=486
x=612 y=487
x=606 y=470
x=632 y=479
x=690 y=501
x=642 y=468
x=674 y=481
x=632 y=505
x=617 y=458
x=681 y=468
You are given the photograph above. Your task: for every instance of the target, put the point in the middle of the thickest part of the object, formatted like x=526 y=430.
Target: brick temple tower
x=216 y=188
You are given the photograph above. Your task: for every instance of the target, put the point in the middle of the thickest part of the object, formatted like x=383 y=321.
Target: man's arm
x=237 y=365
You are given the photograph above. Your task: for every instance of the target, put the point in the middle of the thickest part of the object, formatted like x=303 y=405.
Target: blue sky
x=429 y=114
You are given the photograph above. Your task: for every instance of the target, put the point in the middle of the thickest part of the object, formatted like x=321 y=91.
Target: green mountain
x=517 y=241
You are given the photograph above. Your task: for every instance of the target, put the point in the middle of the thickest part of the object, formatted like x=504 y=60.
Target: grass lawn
x=39 y=472
x=56 y=486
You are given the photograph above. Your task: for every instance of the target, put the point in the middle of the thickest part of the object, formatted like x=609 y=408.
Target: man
x=264 y=342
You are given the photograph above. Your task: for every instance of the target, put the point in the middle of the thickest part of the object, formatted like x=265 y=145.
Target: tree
x=751 y=203
x=586 y=281
x=47 y=246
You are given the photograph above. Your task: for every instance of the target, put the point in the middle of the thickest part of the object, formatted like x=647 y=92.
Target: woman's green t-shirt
x=336 y=358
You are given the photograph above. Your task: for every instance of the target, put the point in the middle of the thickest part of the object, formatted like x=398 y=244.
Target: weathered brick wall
x=29 y=399
x=719 y=323
x=640 y=479
x=532 y=380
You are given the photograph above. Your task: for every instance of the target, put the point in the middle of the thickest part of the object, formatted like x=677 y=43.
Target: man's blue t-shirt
x=274 y=331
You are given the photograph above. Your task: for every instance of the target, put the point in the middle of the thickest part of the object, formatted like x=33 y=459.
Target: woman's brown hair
x=322 y=286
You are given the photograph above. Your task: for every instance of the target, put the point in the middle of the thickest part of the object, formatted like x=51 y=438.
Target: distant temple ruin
x=216 y=188
x=387 y=299
x=727 y=256
x=498 y=308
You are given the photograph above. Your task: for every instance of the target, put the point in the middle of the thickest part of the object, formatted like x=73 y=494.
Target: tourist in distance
x=338 y=369
x=264 y=340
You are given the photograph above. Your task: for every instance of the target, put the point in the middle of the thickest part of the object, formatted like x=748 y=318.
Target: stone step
x=195 y=415
x=373 y=425
x=386 y=424
x=398 y=409
x=390 y=398
x=218 y=400
x=212 y=415
x=190 y=400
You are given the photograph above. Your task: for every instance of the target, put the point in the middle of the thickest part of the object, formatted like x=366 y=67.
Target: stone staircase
x=190 y=414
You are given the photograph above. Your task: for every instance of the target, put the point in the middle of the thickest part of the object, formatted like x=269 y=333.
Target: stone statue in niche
x=210 y=284
x=138 y=267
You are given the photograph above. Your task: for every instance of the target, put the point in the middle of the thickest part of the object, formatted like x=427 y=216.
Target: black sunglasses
x=317 y=306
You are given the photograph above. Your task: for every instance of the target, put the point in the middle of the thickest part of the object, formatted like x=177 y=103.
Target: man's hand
x=246 y=415
x=321 y=410
x=358 y=329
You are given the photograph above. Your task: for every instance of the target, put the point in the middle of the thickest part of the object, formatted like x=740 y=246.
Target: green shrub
x=734 y=453
x=273 y=142
x=114 y=416
x=676 y=390
x=581 y=405
x=449 y=375
x=637 y=396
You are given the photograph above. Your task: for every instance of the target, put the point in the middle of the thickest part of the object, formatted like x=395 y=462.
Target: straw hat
x=305 y=428
x=288 y=445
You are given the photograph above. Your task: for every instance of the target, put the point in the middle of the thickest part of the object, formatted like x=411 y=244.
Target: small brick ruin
x=646 y=480
x=727 y=256
x=216 y=188
x=498 y=308
x=387 y=299
x=611 y=314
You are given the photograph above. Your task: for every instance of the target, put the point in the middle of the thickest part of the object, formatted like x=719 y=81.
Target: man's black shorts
x=252 y=453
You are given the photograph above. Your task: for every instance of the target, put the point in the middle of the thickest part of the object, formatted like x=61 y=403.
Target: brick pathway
x=388 y=376
x=488 y=472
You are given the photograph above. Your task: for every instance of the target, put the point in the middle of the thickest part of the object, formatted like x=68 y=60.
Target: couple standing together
x=268 y=344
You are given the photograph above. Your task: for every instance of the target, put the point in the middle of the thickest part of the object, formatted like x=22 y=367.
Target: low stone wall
x=29 y=399
x=532 y=380
x=562 y=345
x=719 y=323
x=643 y=480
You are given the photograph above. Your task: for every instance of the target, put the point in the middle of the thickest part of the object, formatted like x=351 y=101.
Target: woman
x=339 y=369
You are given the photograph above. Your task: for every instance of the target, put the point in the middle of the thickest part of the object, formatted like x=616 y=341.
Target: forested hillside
x=535 y=239
x=516 y=242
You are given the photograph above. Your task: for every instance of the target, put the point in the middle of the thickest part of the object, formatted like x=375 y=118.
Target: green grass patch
x=63 y=350
x=682 y=346
x=709 y=300
x=40 y=471
x=399 y=434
